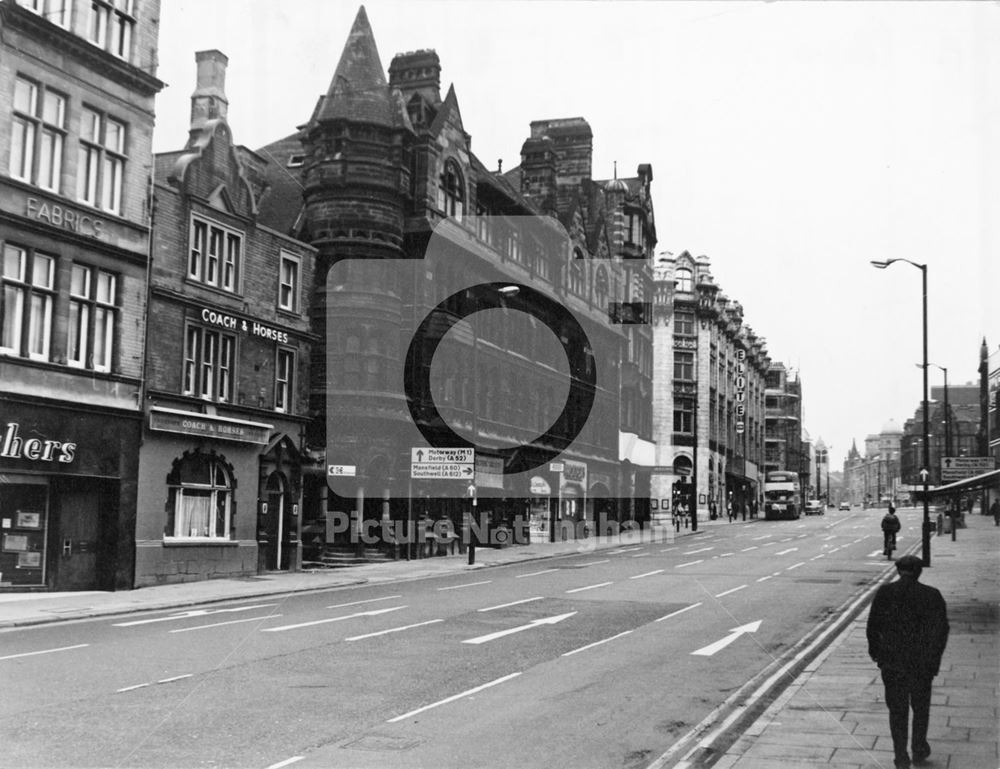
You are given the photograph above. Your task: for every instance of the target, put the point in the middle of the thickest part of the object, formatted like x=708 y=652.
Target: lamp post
x=926 y=533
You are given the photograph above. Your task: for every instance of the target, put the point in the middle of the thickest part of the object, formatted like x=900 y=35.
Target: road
x=601 y=659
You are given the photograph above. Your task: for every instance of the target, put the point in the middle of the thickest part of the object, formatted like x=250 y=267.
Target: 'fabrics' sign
x=15 y=446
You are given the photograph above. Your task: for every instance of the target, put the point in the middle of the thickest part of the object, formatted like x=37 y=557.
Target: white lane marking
x=589 y=587
x=786 y=539
x=43 y=651
x=699 y=550
x=726 y=555
x=175 y=678
x=161 y=681
x=286 y=762
x=641 y=555
x=776 y=574
x=727 y=592
x=513 y=603
x=873 y=553
x=331 y=619
x=393 y=630
x=358 y=603
x=454 y=697
x=762 y=579
x=626 y=549
x=193 y=613
x=679 y=611
x=596 y=643
x=763 y=536
x=535 y=573
x=467 y=584
x=220 y=624
x=131 y=688
x=510 y=631
x=594 y=563
x=789 y=550
x=817 y=557
x=689 y=563
x=668 y=549
x=832 y=536
x=752 y=547
x=647 y=574
x=722 y=643
x=796 y=565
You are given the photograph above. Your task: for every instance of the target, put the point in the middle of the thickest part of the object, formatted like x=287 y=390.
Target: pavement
x=834 y=715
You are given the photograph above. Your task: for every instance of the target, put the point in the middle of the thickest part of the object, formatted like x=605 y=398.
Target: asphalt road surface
x=600 y=659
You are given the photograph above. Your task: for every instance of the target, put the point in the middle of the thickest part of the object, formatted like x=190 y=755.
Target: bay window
x=200 y=504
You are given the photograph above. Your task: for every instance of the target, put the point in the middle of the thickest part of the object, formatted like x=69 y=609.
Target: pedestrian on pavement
x=729 y=507
x=890 y=527
x=907 y=632
x=995 y=511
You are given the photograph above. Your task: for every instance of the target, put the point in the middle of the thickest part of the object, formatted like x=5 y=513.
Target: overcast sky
x=791 y=143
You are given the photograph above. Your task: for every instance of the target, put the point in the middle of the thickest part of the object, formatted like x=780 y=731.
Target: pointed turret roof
x=359 y=90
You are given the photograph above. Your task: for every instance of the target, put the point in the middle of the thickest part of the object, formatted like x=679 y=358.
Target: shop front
x=220 y=497
x=66 y=497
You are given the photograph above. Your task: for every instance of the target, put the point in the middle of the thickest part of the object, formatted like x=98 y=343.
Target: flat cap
x=910 y=563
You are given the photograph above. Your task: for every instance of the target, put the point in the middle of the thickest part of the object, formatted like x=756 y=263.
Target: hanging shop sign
x=741 y=387
x=206 y=426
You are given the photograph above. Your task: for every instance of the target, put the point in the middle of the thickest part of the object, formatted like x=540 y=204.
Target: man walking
x=907 y=633
x=995 y=511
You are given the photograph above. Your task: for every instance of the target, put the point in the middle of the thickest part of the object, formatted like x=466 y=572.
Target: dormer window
x=451 y=192
x=684 y=281
x=296 y=161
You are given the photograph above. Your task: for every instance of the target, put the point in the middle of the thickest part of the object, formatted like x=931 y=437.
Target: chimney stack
x=209 y=102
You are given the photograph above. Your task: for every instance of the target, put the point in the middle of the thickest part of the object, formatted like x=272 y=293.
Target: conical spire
x=359 y=90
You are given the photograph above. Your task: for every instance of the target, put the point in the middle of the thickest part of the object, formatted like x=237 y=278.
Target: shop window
x=209 y=360
x=215 y=257
x=37 y=134
x=92 y=312
x=56 y=11
x=288 y=285
x=112 y=23
x=27 y=302
x=101 y=161
x=200 y=504
x=284 y=369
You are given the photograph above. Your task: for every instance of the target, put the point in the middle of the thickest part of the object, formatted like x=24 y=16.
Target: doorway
x=273 y=525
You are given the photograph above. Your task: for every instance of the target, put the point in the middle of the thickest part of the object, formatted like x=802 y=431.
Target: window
x=288 y=283
x=215 y=257
x=101 y=161
x=684 y=366
x=601 y=289
x=56 y=11
x=684 y=323
x=200 y=489
x=684 y=416
x=209 y=358
x=576 y=282
x=283 y=371
x=111 y=26
x=483 y=226
x=37 y=134
x=684 y=281
x=91 y=318
x=451 y=193
x=514 y=244
x=28 y=296
x=635 y=229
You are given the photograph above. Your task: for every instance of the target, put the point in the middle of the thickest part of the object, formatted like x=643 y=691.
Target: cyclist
x=890 y=525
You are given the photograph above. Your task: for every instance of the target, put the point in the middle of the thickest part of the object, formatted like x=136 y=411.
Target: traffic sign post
x=959 y=468
x=428 y=463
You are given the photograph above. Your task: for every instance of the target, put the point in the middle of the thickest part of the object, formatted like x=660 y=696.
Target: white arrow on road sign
x=924 y=474
x=722 y=643
x=445 y=456
x=534 y=623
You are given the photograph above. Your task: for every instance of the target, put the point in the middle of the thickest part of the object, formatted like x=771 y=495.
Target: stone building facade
x=79 y=80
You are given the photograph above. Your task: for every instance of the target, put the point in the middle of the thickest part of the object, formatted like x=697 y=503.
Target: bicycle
x=889 y=544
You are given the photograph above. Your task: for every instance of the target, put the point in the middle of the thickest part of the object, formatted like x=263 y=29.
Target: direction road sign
x=440 y=470
x=429 y=455
x=960 y=468
x=348 y=470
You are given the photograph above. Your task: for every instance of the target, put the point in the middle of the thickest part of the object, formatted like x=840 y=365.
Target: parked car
x=845 y=505
x=814 y=507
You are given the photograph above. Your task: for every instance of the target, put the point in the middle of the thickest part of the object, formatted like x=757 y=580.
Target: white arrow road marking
x=512 y=603
x=452 y=698
x=331 y=619
x=679 y=611
x=393 y=630
x=193 y=613
x=533 y=624
x=44 y=651
x=722 y=643
x=789 y=550
x=596 y=643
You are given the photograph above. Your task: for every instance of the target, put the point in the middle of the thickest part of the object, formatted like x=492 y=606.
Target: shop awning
x=975 y=483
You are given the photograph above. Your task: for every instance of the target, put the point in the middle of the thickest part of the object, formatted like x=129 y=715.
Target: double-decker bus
x=781 y=495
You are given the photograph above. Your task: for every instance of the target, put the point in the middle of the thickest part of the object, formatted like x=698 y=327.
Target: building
x=709 y=383
x=79 y=81
x=954 y=431
x=875 y=478
x=226 y=406
x=783 y=445
x=408 y=225
x=989 y=412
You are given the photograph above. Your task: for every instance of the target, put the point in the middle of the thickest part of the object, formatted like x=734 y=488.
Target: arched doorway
x=274 y=528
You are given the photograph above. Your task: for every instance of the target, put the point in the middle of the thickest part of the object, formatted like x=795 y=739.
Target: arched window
x=576 y=282
x=451 y=192
x=683 y=280
x=200 y=489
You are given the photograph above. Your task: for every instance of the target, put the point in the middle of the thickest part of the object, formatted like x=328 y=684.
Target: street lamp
x=926 y=534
